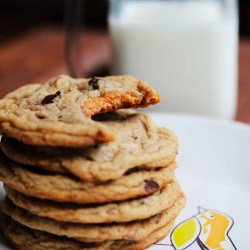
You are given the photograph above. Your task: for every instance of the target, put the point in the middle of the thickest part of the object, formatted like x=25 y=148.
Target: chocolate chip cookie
x=139 y=143
x=133 y=231
x=24 y=238
x=59 y=111
x=125 y=211
x=64 y=188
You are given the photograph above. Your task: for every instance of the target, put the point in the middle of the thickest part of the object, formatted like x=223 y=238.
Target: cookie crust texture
x=58 y=112
x=125 y=211
x=23 y=238
x=139 y=143
x=63 y=188
x=133 y=231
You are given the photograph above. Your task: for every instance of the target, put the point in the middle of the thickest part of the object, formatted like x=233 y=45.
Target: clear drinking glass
x=186 y=49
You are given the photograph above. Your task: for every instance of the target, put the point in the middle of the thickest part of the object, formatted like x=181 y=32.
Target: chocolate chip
x=94 y=83
x=157 y=218
x=151 y=185
x=50 y=98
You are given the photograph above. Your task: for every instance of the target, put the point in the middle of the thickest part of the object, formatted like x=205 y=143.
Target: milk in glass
x=186 y=49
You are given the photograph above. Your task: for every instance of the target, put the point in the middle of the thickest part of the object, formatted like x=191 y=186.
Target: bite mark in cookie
x=58 y=112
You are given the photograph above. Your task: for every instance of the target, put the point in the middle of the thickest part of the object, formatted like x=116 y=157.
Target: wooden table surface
x=39 y=55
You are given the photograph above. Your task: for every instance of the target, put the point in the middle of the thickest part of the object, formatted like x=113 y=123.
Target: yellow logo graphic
x=208 y=230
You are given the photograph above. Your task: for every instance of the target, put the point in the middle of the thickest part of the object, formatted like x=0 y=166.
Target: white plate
x=214 y=172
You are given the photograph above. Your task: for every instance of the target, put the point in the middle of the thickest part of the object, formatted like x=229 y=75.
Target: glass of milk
x=186 y=49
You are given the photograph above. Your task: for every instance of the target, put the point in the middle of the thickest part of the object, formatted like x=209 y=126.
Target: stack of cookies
x=81 y=172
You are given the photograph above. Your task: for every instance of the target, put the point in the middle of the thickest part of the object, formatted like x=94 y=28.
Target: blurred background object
x=187 y=50
x=32 y=44
x=32 y=41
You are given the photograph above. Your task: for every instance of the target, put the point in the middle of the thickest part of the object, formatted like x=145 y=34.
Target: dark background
x=17 y=16
x=32 y=44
